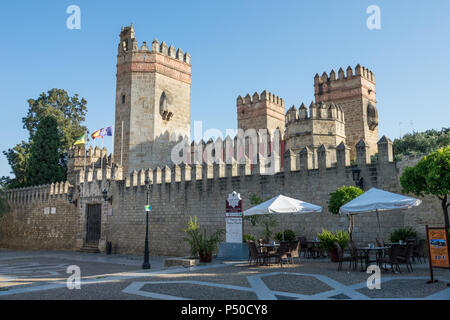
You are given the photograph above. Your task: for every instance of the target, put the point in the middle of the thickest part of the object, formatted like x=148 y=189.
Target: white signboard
x=234 y=230
x=46 y=210
x=53 y=210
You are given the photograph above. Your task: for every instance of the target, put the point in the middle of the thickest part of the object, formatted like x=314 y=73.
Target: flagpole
x=101 y=158
x=84 y=178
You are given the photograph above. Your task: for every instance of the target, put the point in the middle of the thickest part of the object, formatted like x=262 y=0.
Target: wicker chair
x=405 y=256
x=295 y=251
x=356 y=254
x=342 y=258
x=391 y=258
x=304 y=246
x=282 y=253
x=254 y=255
x=419 y=252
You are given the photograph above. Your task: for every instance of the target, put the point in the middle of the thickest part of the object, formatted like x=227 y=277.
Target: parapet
x=170 y=51
x=329 y=111
x=128 y=43
x=42 y=193
x=264 y=96
x=342 y=75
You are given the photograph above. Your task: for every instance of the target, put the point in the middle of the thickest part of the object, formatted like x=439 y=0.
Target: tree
x=430 y=176
x=44 y=165
x=421 y=142
x=17 y=158
x=340 y=197
x=69 y=112
x=267 y=220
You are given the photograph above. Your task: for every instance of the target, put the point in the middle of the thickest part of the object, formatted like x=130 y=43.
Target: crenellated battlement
x=260 y=111
x=317 y=111
x=42 y=193
x=256 y=98
x=128 y=44
x=169 y=51
x=293 y=161
x=342 y=75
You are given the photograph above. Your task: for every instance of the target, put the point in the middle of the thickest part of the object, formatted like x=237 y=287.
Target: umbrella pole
x=350 y=226
x=379 y=226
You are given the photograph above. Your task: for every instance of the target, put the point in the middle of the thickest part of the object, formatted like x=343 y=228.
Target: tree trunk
x=445 y=209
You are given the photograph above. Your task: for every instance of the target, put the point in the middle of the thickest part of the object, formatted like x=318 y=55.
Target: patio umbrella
x=282 y=204
x=378 y=200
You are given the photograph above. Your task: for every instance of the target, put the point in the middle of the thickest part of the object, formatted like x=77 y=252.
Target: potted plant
x=329 y=239
x=289 y=235
x=403 y=234
x=200 y=243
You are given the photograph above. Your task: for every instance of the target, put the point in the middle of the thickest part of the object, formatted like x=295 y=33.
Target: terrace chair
x=391 y=258
x=380 y=243
x=342 y=258
x=406 y=256
x=254 y=255
x=356 y=254
x=419 y=251
x=304 y=246
x=294 y=253
x=282 y=252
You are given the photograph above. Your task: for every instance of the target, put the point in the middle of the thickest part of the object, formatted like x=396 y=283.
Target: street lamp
x=359 y=181
x=70 y=197
x=105 y=196
x=146 y=264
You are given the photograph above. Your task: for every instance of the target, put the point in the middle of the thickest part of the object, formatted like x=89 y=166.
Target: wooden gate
x=93 y=223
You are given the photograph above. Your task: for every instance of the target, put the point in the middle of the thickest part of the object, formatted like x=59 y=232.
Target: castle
x=104 y=195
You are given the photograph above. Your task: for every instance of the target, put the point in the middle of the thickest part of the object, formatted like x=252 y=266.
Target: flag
x=80 y=140
x=148 y=207
x=106 y=131
x=97 y=134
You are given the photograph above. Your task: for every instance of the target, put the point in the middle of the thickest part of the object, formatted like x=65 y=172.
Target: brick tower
x=261 y=111
x=152 y=102
x=355 y=93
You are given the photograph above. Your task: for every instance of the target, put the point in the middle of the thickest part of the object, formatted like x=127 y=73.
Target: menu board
x=438 y=246
x=233 y=218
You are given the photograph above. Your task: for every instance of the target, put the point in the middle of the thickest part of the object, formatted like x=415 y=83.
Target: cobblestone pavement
x=42 y=275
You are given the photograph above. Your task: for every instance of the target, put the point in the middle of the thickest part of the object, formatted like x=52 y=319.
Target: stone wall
x=40 y=218
x=179 y=192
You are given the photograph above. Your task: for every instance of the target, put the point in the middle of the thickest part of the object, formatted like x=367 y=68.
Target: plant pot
x=207 y=257
x=333 y=255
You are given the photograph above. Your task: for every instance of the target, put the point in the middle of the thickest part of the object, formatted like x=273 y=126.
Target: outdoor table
x=367 y=251
x=265 y=248
x=312 y=244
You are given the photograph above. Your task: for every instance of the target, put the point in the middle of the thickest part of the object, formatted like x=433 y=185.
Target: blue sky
x=236 y=47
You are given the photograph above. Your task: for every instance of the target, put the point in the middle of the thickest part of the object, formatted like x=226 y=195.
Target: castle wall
x=200 y=190
x=40 y=218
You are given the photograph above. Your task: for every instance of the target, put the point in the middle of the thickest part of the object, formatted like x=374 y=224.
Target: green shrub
x=328 y=239
x=248 y=237
x=403 y=234
x=289 y=235
x=278 y=236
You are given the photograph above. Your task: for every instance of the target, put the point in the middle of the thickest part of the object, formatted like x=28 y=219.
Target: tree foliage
x=341 y=196
x=421 y=142
x=68 y=111
x=44 y=164
x=430 y=176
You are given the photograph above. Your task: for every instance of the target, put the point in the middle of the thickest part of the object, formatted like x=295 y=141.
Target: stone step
x=90 y=248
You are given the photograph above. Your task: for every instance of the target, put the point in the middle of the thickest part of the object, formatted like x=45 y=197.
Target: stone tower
x=152 y=102
x=355 y=93
x=261 y=111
